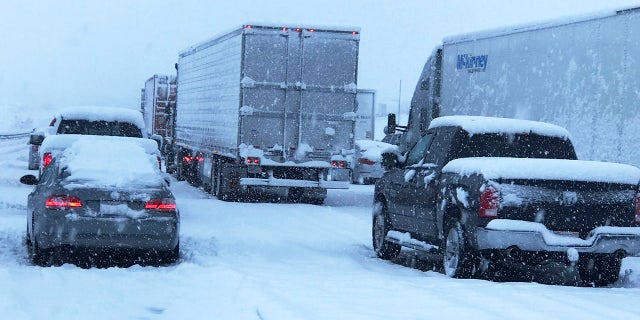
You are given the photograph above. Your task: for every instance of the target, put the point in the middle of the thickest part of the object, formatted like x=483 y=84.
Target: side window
x=440 y=147
x=419 y=149
x=48 y=174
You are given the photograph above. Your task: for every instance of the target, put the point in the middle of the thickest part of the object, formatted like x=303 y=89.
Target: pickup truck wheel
x=600 y=271
x=381 y=226
x=459 y=260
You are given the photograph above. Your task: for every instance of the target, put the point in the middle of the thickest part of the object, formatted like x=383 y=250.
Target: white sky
x=61 y=53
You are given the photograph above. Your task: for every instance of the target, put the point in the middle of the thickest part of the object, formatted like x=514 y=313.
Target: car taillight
x=46 y=159
x=253 y=160
x=62 y=202
x=489 y=201
x=338 y=164
x=159 y=163
x=366 y=161
x=164 y=204
x=636 y=219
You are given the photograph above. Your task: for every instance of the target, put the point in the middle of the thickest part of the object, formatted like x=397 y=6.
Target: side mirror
x=389 y=160
x=36 y=139
x=29 y=180
x=391 y=123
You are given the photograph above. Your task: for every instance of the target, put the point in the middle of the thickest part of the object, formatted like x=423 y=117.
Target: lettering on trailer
x=472 y=63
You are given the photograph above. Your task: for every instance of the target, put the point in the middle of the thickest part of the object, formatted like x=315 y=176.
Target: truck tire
x=380 y=227
x=599 y=270
x=459 y=259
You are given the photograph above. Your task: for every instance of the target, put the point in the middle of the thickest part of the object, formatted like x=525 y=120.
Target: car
x=366 y=167
x=92 y=198
x=94 y=121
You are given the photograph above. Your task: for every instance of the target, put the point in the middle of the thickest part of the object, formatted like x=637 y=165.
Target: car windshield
x=101 y=128
x=517 y=146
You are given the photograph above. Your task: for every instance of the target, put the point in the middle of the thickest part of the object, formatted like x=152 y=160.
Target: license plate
x=113 y=208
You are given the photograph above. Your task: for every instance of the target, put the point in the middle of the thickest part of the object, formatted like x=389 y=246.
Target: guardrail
x=14 y=135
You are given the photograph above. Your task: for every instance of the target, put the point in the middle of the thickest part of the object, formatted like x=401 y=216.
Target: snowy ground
x=272 y=261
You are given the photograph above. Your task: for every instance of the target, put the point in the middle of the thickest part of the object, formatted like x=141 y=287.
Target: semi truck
x=268 y=109
x=158 y=105
x=579 y=73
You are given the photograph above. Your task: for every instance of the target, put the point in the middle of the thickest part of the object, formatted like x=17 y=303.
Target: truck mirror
x=391 y=123
x=29 y=180
x=389 y=160
x=36 y=139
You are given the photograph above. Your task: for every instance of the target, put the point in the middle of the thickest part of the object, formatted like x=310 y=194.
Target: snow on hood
x=104 y=114
x=477 y=125
x=545 y=169
x=373 y=150
x=109 y=163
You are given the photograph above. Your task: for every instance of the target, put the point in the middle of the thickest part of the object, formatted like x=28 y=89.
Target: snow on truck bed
x=476 y=125
x=545 y=169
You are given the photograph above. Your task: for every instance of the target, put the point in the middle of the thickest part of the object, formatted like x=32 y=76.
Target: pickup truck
x=483 y=193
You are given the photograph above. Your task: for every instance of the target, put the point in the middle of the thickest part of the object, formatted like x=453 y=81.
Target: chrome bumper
x=539 y=238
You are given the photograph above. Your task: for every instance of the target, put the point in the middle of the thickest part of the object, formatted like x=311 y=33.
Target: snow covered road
x=272 y=261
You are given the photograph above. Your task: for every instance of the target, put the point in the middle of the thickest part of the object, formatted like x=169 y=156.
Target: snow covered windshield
x=517 y=146
x=101 y=128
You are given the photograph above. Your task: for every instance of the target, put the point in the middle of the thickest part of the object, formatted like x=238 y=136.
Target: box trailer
x=579 y=73
x=365 y=114
x=158 y=104
x=268 y=108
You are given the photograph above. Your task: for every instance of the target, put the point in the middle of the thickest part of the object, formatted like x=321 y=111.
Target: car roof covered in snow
x=104 y=114
x=57 y=143
x=478 y=125
x=109 y=162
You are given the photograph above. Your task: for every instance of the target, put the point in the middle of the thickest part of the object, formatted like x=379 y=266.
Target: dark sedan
x=102 y=195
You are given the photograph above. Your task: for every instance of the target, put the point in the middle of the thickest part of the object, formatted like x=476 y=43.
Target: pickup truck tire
x=459 y=259
x=380 y=227
x=599 y=270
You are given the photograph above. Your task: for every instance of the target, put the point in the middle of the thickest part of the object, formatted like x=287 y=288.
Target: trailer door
x=328 y=98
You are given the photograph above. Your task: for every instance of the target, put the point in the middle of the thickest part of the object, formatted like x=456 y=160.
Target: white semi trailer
x=268 y=108
x=579 y=73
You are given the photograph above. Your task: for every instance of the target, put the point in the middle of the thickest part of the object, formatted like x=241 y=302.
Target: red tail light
x=253 y=160
x=489 y=201
x=159 y=163
x=338 y=164
x=187 y=159
x=636 y=219
x=366 y=161
x=334 y=163
x=164 y=204
x=62 y=202
x=46 y=159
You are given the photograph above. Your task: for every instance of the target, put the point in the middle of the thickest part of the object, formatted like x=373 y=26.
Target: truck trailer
x=365 y=115
x=158 y=105
x=580 y=73
x=268 y=109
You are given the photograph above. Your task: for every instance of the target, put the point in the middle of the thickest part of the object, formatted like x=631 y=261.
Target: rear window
x=99 y=128
x=517 y=146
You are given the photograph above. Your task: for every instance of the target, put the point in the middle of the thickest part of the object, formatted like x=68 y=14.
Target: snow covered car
x=366 y=166
x=102 y=195
x=100 y=121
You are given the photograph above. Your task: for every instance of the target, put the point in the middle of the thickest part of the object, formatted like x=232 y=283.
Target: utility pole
x=399 y=95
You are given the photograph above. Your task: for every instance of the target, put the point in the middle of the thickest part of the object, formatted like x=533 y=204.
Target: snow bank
x=545 y=169
x=476 y=125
